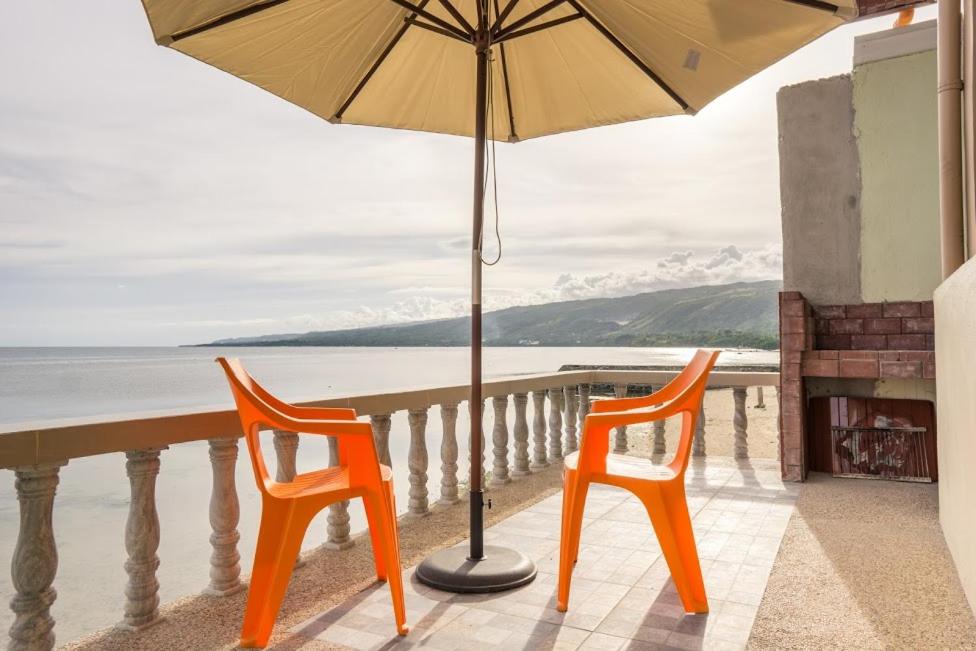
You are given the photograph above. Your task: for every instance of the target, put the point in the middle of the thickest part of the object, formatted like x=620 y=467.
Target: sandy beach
x=719 y=408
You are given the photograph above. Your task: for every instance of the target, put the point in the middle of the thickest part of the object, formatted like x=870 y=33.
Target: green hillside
x=739 y=314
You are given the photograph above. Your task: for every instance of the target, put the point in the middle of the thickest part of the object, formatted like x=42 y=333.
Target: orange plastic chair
x=287 y=508
x=660 y=488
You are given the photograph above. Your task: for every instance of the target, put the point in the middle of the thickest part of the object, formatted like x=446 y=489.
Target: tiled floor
x=622 y=596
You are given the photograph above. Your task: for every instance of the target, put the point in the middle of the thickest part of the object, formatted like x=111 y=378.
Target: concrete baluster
x=698 y=443
x=286 y=455
x=225 y=513
x=539 y=460
x=569 y=400
x=521 y=435
x=555 y=424
x=584 y=408
x=499 y=440
x=620 y=445
x=449 y=454
x=142 y=541
x=337 y=522
x=35 y=560
x=660 y=444
x=381 y=436
x=740 y=423
x=417 y=462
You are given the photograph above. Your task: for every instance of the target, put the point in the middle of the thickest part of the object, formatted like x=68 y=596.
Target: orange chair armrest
x=329 y=427
x=323 y=413
x=624 y=404
x=619 y=418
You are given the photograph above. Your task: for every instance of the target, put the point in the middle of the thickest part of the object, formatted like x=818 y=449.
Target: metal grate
x=897 y=453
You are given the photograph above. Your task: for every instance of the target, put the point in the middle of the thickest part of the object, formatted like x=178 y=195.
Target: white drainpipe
x=950 y=137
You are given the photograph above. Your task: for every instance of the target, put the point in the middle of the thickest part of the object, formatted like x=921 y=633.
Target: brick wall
x=875 y=364
x=867 y=340
x=875 y=326
x=796 y=336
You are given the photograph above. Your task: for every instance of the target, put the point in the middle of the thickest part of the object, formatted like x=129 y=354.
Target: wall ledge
x=896 y=42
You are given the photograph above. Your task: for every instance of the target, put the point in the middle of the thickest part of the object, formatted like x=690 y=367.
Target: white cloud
x=726 y=256
x=417 y=308
x=678 y=269
x=679 y=258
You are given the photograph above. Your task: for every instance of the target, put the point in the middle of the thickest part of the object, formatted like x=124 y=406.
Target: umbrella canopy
x=502 y=69
x=409 y=64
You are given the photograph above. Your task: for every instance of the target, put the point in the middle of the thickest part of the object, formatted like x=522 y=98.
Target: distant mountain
x=735 y=315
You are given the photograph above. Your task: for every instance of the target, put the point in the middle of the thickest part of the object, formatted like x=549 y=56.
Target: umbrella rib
x=224 y=20
x=451 y=9
x=508 y=89
x=440 y=22
x=627 y=52
x=508 y=35
x=500 y=17
x=434 y=28
x=372 y=70
x=528 y=18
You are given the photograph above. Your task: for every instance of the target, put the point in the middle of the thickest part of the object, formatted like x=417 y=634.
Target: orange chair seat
x=329 y=480
x=621 y=467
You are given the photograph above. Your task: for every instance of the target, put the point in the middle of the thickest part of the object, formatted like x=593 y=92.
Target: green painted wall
x=895 y=123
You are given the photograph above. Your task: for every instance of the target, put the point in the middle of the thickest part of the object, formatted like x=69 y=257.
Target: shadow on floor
x=864 y=565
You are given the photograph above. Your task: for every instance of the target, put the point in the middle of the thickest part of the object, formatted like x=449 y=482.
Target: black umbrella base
x=452 y=571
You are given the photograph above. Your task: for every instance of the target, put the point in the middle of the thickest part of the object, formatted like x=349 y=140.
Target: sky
x=148 y=199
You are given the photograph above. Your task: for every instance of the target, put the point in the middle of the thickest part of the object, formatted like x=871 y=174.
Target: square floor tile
x=622 y=595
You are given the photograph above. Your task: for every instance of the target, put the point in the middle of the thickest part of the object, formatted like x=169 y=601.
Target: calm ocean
x=39 y=384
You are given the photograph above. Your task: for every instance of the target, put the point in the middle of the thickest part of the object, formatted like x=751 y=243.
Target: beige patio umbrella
x=542 y=66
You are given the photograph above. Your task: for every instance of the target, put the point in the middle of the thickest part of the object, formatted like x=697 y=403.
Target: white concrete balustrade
x=449 y=454
x=36 y=454
x=225 y=512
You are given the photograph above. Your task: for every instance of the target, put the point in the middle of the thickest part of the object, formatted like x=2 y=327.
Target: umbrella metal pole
x=477 y=493
x=477 y=569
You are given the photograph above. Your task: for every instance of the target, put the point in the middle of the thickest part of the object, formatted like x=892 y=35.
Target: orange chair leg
x=565 y=566
x=279 y=541
x=391 y=554
x=399 y=611
x=391 y=502
x=569 y=481
x=574 y=502
x=376 y=532
x=668 y=511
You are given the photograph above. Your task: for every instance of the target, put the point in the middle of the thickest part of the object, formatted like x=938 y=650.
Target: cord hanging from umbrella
x=492 y=160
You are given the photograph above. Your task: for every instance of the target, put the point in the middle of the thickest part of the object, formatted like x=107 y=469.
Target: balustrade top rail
x=28 y=444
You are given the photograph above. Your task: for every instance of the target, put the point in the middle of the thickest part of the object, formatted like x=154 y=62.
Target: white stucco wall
x=955 y=354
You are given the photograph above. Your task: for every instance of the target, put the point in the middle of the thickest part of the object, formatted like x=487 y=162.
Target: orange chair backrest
x=687 y=376
x=255 y=406
x=689 y=389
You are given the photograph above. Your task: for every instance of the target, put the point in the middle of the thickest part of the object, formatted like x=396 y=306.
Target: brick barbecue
x=866 y=340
